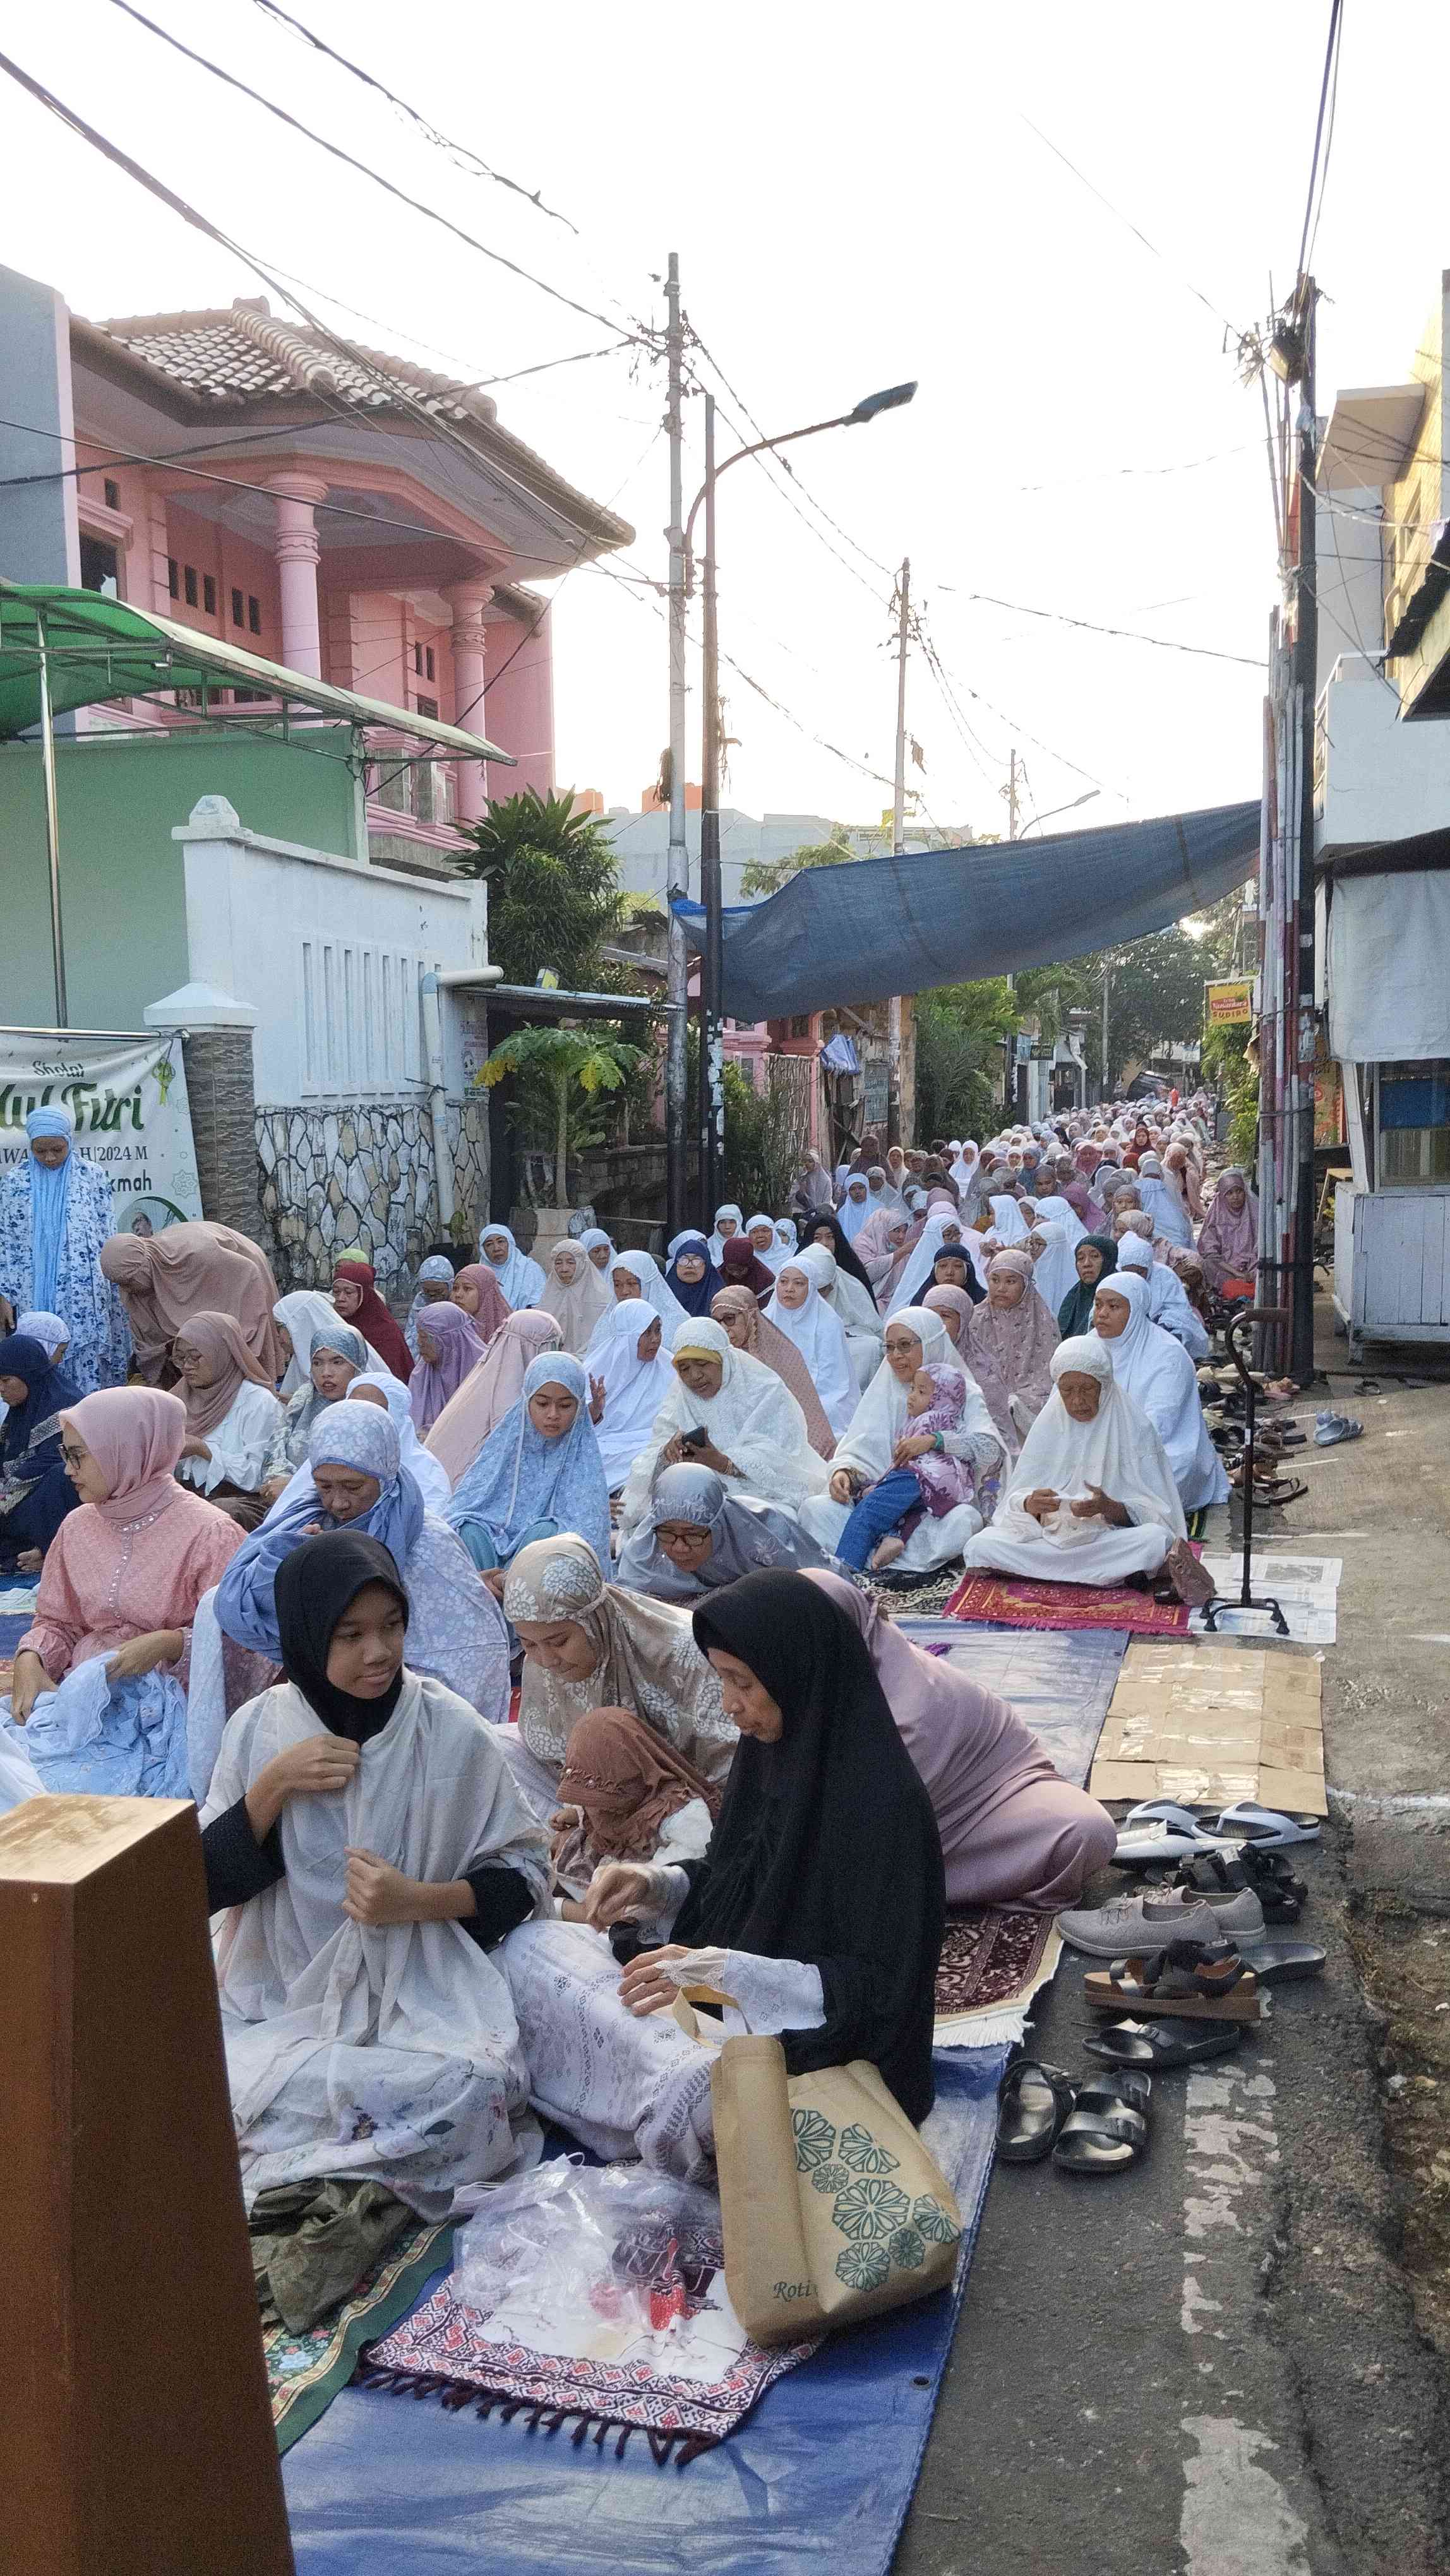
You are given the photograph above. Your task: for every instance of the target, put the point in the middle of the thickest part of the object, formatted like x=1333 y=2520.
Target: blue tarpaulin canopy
x=872 y=927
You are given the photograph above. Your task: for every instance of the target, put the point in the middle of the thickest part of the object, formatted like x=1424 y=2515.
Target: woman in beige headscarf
x=193 y=1269
x=739 y=1311
x=588 y=1645
x=490 y=1390
x=576 y=1295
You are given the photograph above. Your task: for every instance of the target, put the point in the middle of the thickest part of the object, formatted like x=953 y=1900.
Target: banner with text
x=1229 y=1004
x=128 y=1098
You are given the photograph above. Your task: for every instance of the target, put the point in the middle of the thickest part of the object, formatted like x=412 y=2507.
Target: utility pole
x=1009 y=1070
x=677 y=876
x=898 y=834
x=712 y=961
x=1010 y=792
x=1306 y=661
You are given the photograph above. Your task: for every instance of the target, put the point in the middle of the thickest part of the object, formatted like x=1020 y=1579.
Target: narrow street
x=1241 y=2350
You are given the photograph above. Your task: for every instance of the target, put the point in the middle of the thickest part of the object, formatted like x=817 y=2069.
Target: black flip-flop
x=1155 y=2044
x=1281 y=1963
x=1035 y=2100
x=1108 y=2126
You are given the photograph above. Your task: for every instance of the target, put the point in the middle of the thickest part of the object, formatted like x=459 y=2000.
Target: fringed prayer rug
x=305 y=2371
x=612 y=2374
x=992 y=1963
x=1017 y=1601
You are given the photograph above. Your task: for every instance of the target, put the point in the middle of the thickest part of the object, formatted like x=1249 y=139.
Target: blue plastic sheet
x=821 y=2474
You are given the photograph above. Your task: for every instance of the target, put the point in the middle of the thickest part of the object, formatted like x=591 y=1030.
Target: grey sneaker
x=1172 y=1914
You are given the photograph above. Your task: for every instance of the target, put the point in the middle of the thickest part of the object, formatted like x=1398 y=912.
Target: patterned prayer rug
x=609 y=2372
x=1017 y=1601
x=989 y=1958
x=305 y=2371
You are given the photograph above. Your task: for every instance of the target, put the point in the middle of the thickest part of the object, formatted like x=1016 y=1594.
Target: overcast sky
x=856 y=198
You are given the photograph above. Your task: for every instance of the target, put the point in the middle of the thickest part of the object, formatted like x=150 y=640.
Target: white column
x=295 y=547
x=468 y=600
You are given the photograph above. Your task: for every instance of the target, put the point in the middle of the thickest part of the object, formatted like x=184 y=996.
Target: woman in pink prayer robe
x=128 y=1567
x=1013 y=1832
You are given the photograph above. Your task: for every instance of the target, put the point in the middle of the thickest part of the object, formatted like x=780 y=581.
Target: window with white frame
x=361 y=1016
x=1412 y=1122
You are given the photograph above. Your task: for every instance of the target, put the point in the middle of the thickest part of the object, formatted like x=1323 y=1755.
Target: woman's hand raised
x=645 y=1986
x=318 y=1767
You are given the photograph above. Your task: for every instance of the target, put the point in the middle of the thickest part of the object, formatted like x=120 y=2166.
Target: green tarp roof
x=100 y=648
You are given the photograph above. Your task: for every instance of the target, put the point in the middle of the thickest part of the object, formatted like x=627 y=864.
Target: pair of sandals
x=1159 y=1830
x=1099 y=2126
x=1267 y=1873
x=1331 y=1428
x=1188 y=1980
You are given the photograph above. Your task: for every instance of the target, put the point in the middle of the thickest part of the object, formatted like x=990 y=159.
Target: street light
x=1054 y=810
x=712 y=1047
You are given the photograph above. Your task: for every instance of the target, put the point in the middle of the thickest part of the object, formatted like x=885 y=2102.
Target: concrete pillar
x=296 y=549
x=39 y=536
x=468 y=600
x=217 y=1051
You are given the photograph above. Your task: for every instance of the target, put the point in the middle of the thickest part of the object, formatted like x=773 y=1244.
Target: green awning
x=98 y=648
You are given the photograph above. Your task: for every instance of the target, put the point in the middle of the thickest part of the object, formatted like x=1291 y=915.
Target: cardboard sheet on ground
x=821 y=2474
x=1305 y=1587
x=1212 y=1720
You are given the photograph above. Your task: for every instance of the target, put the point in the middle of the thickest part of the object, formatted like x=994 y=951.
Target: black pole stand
x=1246 y=1600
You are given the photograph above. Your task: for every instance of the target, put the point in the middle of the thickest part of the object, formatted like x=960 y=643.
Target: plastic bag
x=571 y=2249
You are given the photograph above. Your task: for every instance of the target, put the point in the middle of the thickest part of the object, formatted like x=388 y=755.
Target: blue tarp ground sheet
x=821 y=2474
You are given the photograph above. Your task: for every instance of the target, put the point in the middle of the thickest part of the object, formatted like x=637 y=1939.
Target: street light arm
x=843 y=420
x=1054 y=810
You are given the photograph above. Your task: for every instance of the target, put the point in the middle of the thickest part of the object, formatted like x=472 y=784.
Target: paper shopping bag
x=833 y=2209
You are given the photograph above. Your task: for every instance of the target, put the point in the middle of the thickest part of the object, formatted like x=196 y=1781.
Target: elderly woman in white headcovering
x=800 y=1312
x=56 y=1211
x=761 y=1236
x=754 y=1432
x=576 y=1295
x=854 y=1308
x=1168 y=1304
x=629 y=1379
x=1092 y=1497
x=1159 y=1375
x=880 y=1437
x=697 y=1535
x=638 y=1274
x=518 y=1278
x=1164 y=1203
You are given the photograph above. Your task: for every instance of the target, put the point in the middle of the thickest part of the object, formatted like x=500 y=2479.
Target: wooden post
x=138 y=2434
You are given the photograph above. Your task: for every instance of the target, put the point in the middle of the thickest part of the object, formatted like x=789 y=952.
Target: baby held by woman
x=921 y=1478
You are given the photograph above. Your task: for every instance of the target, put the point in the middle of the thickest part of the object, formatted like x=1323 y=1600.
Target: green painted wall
x=122 y=889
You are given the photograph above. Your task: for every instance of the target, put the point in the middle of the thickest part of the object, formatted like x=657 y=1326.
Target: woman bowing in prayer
x=193 y=1269
x=518 y=1279
x=1094 y=1258
x=1013 y=1832
x=799 y=1310
x=748 y=1330
x=1010 y=1341
x=56 y=1212
x=487 y=1394
x=881 y=1438
x=449 y=1351
x=232 y=1415
x=624 y=1795
x=1158 y=1374
x=35 y=1491
x=754 y=1432
x=588 y=1645
x=819 y=1907
x=1228 y=1245
x=576 y=1294
x=369 y=1849
x=692 y=1278
x=538 y=1474
x=629 y=1379
x=355 y=1295
x=123 y=1578
x=358 y=1482
x=1092 y=1498
x=696 y=1536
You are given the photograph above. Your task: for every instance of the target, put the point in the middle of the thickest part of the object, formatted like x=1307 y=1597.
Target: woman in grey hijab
x=696 y=1536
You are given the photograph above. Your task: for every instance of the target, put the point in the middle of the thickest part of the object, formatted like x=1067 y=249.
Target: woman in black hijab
x=824 y=1226
x=826 y=1850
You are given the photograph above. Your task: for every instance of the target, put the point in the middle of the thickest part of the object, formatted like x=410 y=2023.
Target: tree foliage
x=762 y=1143
x=767 y=876
x=554 y=892
x=551 y=1063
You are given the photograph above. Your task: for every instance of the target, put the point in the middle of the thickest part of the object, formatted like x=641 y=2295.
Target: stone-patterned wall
x=363 y=1176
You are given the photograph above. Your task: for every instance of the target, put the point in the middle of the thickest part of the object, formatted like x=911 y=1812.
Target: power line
x=461 y=153
x=772 y=458
x=1164 y=643
x=417 y=205
x=1117 y=212
x=1331 y=66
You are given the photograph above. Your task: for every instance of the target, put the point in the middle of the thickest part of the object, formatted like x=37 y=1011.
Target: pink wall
x=519 y=704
